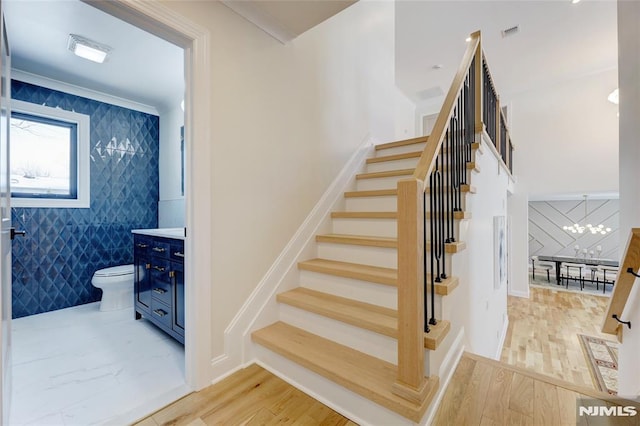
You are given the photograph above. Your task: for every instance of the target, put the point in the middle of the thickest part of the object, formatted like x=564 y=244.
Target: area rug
x=602 y=360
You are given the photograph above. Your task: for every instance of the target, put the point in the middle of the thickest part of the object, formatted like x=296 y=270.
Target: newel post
x=411 y=383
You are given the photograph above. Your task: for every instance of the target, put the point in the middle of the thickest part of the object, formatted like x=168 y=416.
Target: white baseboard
x=447 y=368
x=503 y=337
x=237 y=335
x=517 y=293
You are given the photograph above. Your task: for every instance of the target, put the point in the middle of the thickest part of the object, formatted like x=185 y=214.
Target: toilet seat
x=115 y=271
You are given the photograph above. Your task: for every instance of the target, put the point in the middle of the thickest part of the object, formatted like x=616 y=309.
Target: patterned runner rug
x=602 y=359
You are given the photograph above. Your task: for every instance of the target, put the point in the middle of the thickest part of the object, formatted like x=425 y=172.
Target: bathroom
x=71 y=362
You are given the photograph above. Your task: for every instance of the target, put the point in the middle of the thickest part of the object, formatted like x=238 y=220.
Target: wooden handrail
x=428 y=157
x=623 y=284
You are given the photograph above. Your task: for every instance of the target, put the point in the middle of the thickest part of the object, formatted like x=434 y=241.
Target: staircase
x=364 y=328
x=352 y=284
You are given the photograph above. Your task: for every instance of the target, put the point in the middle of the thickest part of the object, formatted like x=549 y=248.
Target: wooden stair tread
x=436 y=334
x=405 y=142
x=388 y=173
x=385 y=158
x=364 y=315
x=475 y=146
x=445 y=286
x=458 y=215
x=455 y=247
x=375 y=274
x=464 y=188
x=364 y=215
x=360 y=240
x=471 y=165
x=373 y=193
x=363 y=374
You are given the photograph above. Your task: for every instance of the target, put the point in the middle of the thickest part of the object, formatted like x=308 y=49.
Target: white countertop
x=177 y=233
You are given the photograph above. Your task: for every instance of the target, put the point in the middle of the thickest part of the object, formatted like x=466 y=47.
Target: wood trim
x=356 y=271
x=410 y=287
x=624 y=283
x=372 y=193
x=428 y=158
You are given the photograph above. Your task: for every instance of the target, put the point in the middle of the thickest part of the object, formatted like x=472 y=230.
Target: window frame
x=81 y=122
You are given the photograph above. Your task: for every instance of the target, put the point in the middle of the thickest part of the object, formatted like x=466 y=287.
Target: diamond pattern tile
x=54 y=263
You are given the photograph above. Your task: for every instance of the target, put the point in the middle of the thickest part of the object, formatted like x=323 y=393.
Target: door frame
x=194 y=39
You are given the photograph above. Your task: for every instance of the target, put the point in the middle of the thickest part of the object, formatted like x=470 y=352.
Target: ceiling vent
x=432 y=92
x=510 y=31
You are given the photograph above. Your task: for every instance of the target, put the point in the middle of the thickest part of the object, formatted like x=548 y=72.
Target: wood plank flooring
x=542 y=334
x=249 y=397
x=486 y=392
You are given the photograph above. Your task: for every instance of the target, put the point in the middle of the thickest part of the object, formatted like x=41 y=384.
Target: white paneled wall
x=546 y=219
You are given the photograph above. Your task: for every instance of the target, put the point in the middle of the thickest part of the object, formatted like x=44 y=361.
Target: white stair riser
x=379 y=183
x=372 y=204
x=401 y=149
x=369 y=342
x=373 y=227
x=365 y=255
x=363 y=291
x=335 y=396
x=385 y=166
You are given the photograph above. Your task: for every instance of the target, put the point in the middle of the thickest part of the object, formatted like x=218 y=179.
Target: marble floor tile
x=80 y=366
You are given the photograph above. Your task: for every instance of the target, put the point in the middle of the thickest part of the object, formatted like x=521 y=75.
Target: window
x=49 y=157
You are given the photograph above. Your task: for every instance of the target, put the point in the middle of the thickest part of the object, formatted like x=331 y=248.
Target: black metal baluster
x=426 y=278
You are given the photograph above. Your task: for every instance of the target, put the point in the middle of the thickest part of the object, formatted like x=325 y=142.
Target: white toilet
x=117 y=287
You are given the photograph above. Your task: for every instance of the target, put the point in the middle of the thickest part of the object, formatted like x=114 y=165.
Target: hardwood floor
x=251 y=397
x=485 y=392
x=542 y=334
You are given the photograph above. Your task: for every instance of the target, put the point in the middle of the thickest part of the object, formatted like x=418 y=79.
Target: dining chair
x=574 y=271
x=545 y=266
x=608 y=275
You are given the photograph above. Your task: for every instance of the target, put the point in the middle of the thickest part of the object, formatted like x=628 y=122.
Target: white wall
x=568 y=136
x=629 y=75
x=171 y=203
x=285 y=120
x=486 y=308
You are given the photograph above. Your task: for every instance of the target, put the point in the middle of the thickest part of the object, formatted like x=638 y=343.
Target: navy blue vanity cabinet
x=142 y=278
x=161 y=298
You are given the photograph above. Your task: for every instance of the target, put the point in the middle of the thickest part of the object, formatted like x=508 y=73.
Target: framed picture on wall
x=499 y=251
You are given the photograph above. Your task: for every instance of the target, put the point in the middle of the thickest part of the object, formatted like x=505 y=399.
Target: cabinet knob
x=159 y=249
x=140 y=245
x=172 y=274
x=147 y=266
x=159 y=312
x=158 y=268
x=179 y=254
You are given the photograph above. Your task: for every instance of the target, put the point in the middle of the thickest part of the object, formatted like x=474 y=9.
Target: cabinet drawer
x=160 y=270
x=160 y=248
x=177 y=251
x=142 y=245
x=161 y=291
x=161 y=313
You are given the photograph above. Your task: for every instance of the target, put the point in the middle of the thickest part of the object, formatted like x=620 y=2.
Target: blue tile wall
x=54 y=263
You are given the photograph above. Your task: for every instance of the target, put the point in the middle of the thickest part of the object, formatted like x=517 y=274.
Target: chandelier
x=579 y=229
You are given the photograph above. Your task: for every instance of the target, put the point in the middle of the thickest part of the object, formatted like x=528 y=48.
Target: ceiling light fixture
x=614 y=97
x=468 y=39
x=579 y=229
x=575 y=1
x=88 y=49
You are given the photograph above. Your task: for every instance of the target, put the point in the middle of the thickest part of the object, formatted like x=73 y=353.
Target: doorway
x=152 y=18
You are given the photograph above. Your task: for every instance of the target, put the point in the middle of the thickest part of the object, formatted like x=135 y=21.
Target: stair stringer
x=260 y=308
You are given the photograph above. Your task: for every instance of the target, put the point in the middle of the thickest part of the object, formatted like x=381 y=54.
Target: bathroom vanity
x=158 y=257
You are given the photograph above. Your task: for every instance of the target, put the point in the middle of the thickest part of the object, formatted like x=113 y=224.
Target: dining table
x=582 y=260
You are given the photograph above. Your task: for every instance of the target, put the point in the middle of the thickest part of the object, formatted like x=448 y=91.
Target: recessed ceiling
x=141 y=67
x=556 y=41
